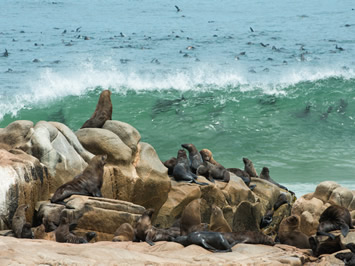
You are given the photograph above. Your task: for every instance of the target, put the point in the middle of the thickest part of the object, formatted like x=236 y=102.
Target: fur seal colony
x=88 y=183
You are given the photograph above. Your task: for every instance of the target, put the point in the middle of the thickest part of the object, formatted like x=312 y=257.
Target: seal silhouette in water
x=182 y=171
x=88 y=183
x=103 y=111
x=195 y=158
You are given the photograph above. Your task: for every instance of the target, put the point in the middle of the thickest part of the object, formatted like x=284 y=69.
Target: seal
x=63 y=235
x=157 y=234
x=335 y=217
x=265 y=174
x=242 y=174
x=249 y=167
x=195 y=158
x=290 y=234
x=170 y=164
x=320 y=246
x=190 y=217
x=40 y=233
x=282 y=199
x=207 y=156
x=88 y=183
x=182 y=170
x=124 y=232
x=143 y=224
x=348 y=257
x=267 y=218
x=103 y=111
x=217 y=221
x=212 y=172
x=248 y=237
x=213 y=241
x=19 y=220
x=27 y=231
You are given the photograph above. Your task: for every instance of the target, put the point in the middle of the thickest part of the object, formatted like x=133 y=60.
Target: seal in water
x=290 y=234
x=88 y=183
x=124 y=232
x=19 y=220
x=103 y=111
x=195 y=158
x=217 y=221
x=335 y=217
x=248 y=237
x=182 y=170
x=213 y=241
x=63 y=235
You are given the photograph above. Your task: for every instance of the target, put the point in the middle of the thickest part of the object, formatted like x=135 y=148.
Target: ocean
x=273 y=81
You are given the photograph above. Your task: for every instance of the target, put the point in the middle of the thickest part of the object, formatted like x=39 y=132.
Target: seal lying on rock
x=63 y=235
x=213 y=241
x=211 y=172
x=348 y=257
x=265 y=174
x=143 y=225
x=208 y=157
x=249 y=237
x=157 y=234
x=195 y=159
x=242 y=174
x=124 y=232
x=335 y=217
x=19 y=220
x=103 y=111
x=88 y=183
x=325 y=245
x=289 y=233
x=182 y=169
x=170 y=164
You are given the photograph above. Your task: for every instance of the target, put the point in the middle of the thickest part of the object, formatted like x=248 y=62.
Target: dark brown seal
x=325 y=245
x=103 y=111
x=170 y=164
x=212 y=172
x=282 y=199
x=335 y=217
x=249 y=167
x=289 y=233
x=195 y=159
x=207 y=156
x=265 y=174
x=190 y=217
x=63 y=235
x=348 y=257
x=124 y=232
x=242 y=174
x=27 y=231
x=157 y=234
x=19 y=220
x=217 y=221
x=144 y=223
x=267 y=218
x=88 y=183
x=249 y=237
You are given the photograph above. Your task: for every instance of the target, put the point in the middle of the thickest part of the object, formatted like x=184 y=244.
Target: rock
x=24 y=180
x=128 y=134
x=17 y=134
x=101 y=215
x=102 y=141
x=341 y=196
x=247 y=217
x=308 y=223
x=324 y=190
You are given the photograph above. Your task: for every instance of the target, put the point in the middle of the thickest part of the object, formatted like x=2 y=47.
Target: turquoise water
x=270 y=81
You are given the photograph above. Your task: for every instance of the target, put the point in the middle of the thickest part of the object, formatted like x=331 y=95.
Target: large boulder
x=17 y=134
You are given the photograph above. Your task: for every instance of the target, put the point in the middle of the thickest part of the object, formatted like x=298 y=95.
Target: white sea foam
x=51 y=85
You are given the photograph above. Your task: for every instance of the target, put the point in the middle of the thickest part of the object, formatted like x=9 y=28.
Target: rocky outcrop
x=309 y=207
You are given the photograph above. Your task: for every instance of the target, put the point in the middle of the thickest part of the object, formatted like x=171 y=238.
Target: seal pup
x=195 y=158
x=103 y=111
x=335 y=217
x=182 y=171
x=157 y=234
x=170 y=164
x=249 y=167
x=143 y=224
x=190 y=217
x=217 y=221
x=265 y=174
x=124 y=232
x=40 y=233
x=207 y=156
x=63 y=235
x=248 y=237
x=19 y=220
x=213 y=241
x=88 y=183
x=290 y=234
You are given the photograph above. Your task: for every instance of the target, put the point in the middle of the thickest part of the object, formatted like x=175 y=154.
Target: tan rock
x=247 y=217
x=308 y=223
x=324 y=190
x=341 y=196
x=17 y=134
x=266 y=192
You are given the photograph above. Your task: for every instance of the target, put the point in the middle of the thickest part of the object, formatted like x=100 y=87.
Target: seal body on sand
x=289 y=233
x=195 y=159
x=211 y=172
x=63 y=235
x=249 y=237
x=143 y=224
x=19 y=220
x=207 y=156
x=103 y=111
x=217 y=221
x=190 y=217
x=182 y=170
x=213 y=241
x=249 y=167
x=170 y=164
x=124 y=232
x=89 y=182
x=335 y=218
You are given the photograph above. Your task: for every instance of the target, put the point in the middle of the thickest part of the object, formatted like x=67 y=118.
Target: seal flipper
x=150 y=242
x=199 y=183
x=320 y=233
x=351 y=246
x=344 y=229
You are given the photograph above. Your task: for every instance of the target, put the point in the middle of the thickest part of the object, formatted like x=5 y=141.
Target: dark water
x=271 y=81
